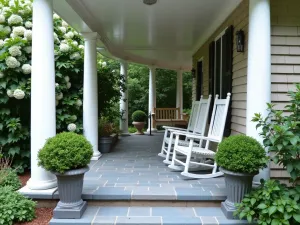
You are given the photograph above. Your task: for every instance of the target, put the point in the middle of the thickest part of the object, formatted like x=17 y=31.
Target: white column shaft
x=152 y=95
x=259 y=65
x=179 y=93
x=124 y=100
x=43 y=118
x=90 y=93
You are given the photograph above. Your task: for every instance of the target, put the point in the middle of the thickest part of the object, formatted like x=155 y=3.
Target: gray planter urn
x=70 y=184
x=139 y=126
x=237 y=186
x=105 y=144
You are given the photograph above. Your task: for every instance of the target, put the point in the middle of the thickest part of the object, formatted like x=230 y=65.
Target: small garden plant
x=65 y=151
x=139 y=116
x=271 y=203
x=105 y=127
x=241 y=154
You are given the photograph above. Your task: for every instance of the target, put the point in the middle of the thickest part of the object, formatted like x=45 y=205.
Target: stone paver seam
x=128 y=212
x=203 y=188
x=217 y=185
x=191 y=185
x=150 y=211
x=195 y=212
x=161 y=220
x=95 y=216
x=176 y=195
x=211 y=193
x=105 y=183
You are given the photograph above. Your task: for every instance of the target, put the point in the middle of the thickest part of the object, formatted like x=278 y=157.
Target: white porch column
x=124 y=101
x=259 y=67
x=43 y=118
x=90 y=92
x=179 y=92
x=152 y=95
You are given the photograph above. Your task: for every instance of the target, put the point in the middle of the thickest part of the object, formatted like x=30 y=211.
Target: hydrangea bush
x=15 y=78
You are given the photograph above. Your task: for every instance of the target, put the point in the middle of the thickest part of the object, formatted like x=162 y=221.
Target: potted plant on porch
x=107 y=135
x=67 y=155
x=139 y=117
x=240 y=158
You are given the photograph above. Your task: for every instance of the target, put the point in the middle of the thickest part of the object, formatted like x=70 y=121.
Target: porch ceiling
x=165 y=34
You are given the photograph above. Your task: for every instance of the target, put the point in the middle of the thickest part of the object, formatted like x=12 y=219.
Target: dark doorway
x=199 y=80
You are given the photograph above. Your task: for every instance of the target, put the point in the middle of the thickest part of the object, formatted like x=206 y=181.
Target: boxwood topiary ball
x=65 y=151
x=241 y=154
x=139 y=116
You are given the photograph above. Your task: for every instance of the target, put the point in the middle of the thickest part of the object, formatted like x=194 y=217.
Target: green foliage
x=132 y=130
x=271 y=204
x=242 y=154
x=139 y=116
x=105 y=127
x=281 y=134
x=15 y=207
x=65 y=151
x=9 y=177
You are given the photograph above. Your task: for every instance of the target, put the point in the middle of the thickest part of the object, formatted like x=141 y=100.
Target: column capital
x=90 y=36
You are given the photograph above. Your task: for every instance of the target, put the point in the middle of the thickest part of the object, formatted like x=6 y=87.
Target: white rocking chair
x=198 y=128
x=190 y=128
x=215 y=135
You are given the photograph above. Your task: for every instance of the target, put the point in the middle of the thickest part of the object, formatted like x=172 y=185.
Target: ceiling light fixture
x=149 y=2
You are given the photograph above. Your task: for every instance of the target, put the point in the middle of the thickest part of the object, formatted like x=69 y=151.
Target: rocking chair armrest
x=173 y=128
x=194 y=136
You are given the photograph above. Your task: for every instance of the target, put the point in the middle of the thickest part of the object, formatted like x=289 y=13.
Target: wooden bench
x=168 y=117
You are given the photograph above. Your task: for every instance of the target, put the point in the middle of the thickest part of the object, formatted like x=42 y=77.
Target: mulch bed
x=43 y=215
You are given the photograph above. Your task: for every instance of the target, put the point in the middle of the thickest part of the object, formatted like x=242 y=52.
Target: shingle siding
x=239 y=19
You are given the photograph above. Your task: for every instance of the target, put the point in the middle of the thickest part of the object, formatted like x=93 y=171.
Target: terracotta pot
x=139 y=126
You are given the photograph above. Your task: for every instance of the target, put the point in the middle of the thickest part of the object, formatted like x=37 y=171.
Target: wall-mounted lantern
x=193 y=71
x=240 y=41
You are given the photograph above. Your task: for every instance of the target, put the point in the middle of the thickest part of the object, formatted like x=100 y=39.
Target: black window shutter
x=211 y=76
x=199 y=80
x=227 y=73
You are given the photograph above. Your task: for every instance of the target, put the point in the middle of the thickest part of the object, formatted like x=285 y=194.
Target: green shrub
x=65 y=151
x=105 y=127
x=132 y=129
x=281 y=134
x=242 y=154
x=9 y=177
x=139 y=116
x=271 y=204
x=14 y=207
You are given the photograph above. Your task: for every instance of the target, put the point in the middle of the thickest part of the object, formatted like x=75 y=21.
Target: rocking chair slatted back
x=201 y=120
x=218 y=119
x=193 y=116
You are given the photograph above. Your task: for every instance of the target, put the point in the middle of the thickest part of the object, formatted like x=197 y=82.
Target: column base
x=152 y=130
x=41 y=185
x=96 y=157
x=45 y=194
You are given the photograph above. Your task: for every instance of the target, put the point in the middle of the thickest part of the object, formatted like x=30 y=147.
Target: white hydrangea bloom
x=27 y=9
x=1 y=43
x=67 y=78
x=72 y=127
x=79 y=103
x=76 y=33
x=64 y=41
x=69 y=85
x=21 y=11
x=81 y=46
x=26 y=68
x=1 y=75
x=56 y=84
x=15 y=50
x=12 y=62
x=28 y=24
x=63 y=29
x=14 y=20
x=75 y=56
x=59 y=96
x=65 y=24
x=19 y=31
x=22 y=58
x=69 y=35
x=73 y=118
x=28 y=35
x=11 y=3
x=12 y=35
x=28 y=49
x=2 y=18
x=56 y=102
x=104 y=64
x=5 y=9
x=19 y=94
x=55 y=16
x=113 y=71
x=6 y=29
x=10 y=93
x=64 y=47
x=75 y=43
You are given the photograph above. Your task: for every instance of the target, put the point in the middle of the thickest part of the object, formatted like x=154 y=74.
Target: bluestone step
x=150 y=216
